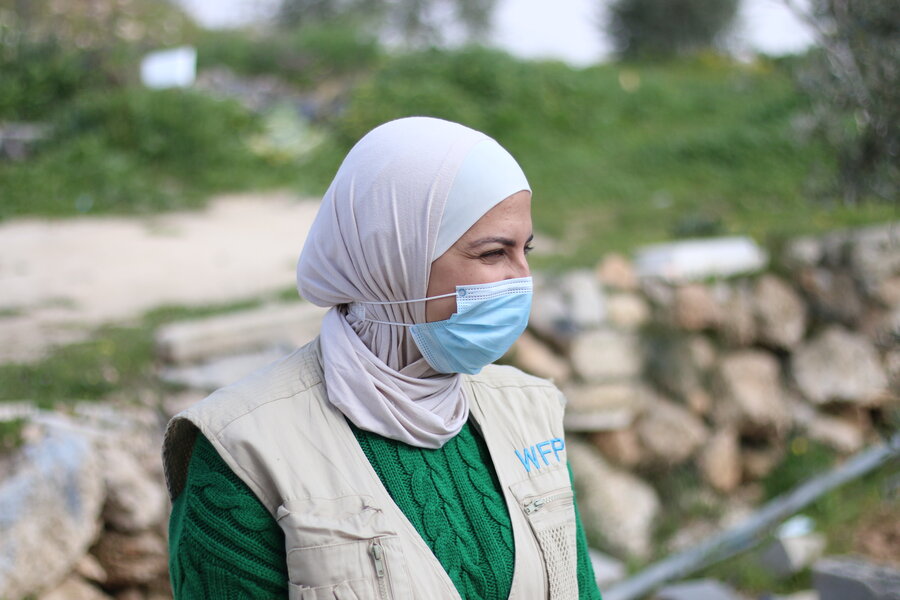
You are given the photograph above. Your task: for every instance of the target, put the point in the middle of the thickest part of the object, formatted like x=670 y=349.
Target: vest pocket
x=548 y=503
x=341 y=549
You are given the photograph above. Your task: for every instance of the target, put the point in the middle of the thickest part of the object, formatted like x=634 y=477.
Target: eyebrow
x=498 y=240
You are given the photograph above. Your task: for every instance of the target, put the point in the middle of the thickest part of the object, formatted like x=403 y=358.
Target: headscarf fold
x=373 y=240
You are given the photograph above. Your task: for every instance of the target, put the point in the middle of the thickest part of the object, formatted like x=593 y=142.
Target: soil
x=60 y=279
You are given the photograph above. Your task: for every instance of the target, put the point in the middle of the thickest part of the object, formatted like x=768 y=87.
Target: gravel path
x=60 y=279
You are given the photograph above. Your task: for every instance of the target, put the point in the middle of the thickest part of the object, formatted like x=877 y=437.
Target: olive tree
x=663 y=28
x=853 y=78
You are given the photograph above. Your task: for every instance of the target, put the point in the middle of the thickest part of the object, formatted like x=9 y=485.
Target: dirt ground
x=59 y=279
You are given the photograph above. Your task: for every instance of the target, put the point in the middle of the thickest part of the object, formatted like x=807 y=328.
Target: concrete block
x=853 y=578
x=222 y=371
x=698 y=259
x=280 y=325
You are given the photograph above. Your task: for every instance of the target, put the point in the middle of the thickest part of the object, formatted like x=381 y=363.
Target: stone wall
x=663 y=368
x=677 y=368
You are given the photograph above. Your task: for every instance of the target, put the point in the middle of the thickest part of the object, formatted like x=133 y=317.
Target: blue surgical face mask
x=489 y=317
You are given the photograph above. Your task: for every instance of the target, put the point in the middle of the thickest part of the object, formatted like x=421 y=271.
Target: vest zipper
x=535 y=505
x=378 y=556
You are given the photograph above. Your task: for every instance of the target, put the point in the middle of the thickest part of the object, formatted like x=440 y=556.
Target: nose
x=519 y=266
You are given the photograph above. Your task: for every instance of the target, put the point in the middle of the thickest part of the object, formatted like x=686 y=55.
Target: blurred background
x=717 y=263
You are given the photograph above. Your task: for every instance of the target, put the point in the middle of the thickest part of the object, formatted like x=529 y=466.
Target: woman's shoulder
x=287 y=377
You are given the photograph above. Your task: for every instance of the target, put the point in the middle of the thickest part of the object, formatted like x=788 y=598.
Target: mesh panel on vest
x=558 y=545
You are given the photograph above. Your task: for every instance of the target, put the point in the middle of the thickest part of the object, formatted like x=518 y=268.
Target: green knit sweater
x=224 y=544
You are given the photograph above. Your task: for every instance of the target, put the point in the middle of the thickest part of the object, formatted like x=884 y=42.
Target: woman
x=380 y=460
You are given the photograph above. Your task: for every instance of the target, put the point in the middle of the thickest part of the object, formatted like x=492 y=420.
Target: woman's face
x=493 y=249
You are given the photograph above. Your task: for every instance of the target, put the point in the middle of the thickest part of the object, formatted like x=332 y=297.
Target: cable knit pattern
x=225 y=545
x=452 y=498
x=222 y=541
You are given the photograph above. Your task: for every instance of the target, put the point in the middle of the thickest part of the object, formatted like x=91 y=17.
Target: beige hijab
x=403 y=195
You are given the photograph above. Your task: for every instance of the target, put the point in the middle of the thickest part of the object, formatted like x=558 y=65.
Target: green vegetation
x=117 y=359
x=131 y=150
x=303 y=57
x=625 y=154
x=618 y=155
x=654 y=28
x=845 y=515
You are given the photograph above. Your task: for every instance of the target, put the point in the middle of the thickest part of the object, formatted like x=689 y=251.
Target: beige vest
x=345 y=536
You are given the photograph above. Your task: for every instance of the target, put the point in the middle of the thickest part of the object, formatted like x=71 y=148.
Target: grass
x=620 y=155
x=840 y=515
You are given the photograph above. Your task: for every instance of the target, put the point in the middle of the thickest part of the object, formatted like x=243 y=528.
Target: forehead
x=511 y=214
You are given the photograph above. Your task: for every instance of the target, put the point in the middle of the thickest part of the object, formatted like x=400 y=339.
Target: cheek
x=439 y=309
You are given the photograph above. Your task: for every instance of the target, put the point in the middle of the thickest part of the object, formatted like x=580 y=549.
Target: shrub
x=304 y=56
x=137 y=150
x=39 y=75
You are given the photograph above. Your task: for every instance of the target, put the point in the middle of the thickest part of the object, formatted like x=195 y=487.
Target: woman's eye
x=493 y=253
x=529 y=248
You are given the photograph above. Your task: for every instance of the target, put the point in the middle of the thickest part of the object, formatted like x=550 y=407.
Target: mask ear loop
x=358 y=309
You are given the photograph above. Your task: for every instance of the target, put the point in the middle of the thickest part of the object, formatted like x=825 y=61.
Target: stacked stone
x=683 y=359
x=695 y=355
x=84 y=508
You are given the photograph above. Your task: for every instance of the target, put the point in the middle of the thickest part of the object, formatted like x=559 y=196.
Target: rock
x=888 y=292
x=838 y=365
x=698 y=589
x=780 y=313
x=615 y=271
x=90 y=569
x=804 y=595
x=883 y=328
x=833 y=294
x=286 y=325
x=49 y=508
x=532 y=356
x=835 y=248
x=892 y=368
x=849 y=578
x=672 y=364
x=720 y=461
x=701 y=352
x=621 y=446
x=135 y=500
x=606 y=355
x=131 y=593
x=660 y=293
x=695 y=307
x=220 y=371
x=738 y=320
x=874 y=255
x=616 y=506
x=550 y=316
x=841 y=435
x=587 y=305
x=74 y=588
x=670 y=433
x=757 y=463
x=803 y=252
x=750 y=394
x=607 y=570
x=698 y=259
x=132 y=559
x=627 y=311
x=178 y=401
x=602 y=406
x=786 y=556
